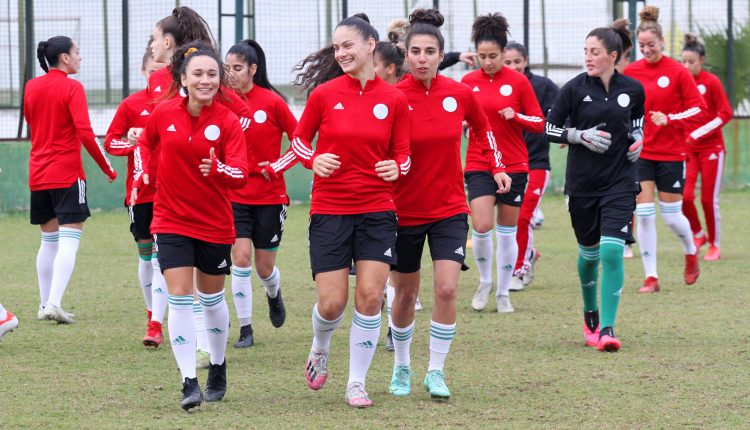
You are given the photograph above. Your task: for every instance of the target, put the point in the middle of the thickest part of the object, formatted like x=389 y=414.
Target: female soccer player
x=511 y=107
x=57 y=114
x=389 y=59
x=201 y=155
x=438 y=107
x=673 y=104
x=537 y=144
x=605 y=110
x=260 y=206
x=352 y=214
x=705 y=151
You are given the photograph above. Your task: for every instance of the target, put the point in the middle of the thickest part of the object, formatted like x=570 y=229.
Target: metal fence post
x=239 y=12
x=730 y=52
x=526 y=26
x=125 y=49
x=29 y=57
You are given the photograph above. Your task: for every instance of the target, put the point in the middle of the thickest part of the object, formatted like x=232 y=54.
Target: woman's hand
x=387 y=170
x=134 y=191
x=207 y=163
x=507 y=113
x=133 y=134
x=658 y=118
x=503 y=182
x=325 y=164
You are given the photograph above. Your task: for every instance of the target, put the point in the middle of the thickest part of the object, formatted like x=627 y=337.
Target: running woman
x=511 y=106
x=57 y=114
x=605 y=109
x=260 y=206
x=705 y=151
x=516 y=58
x=673 y=104
x=202 y=154
x=8 y=321
x=352 y=213
x=121 y=138
x=438 y=107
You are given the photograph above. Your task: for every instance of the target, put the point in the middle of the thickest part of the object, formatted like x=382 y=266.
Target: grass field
x=685 y=360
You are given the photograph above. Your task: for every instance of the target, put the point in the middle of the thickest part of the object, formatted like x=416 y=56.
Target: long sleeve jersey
x=362 y=126
x=188 y=203
x=57 y=113
x=708 y=136
x=585 y=101
x=671 y=90
x=270 y=118
x=537 y=143
x=434 y=188
x=507 y=88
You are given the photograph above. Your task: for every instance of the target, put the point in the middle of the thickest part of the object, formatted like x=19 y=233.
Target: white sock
x=45 y=260
x=242 y=292
x=390 y=294
x=182 y=333
x=672 y=214
x=3 y=313
x=201 y=340
x=402 y=343
x=646 y=214
x=158 y=292
x=441 y=336
x=65 y=262
x=505 y=255
x=323 y=330
x=481 y=244
x=217 y=324
x=145 y=277
x=363 y=338
x=272 y=283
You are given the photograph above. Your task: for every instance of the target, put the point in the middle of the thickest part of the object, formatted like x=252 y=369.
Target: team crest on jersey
x=702 y=89
x=663 y=82
x=623 y=100
x=450 y=104
x=212 y=132
x=380 y=111
x=260 y=116
x=506 y=90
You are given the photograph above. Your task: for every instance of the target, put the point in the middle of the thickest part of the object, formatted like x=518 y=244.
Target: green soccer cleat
x=202 y=359
x=401 y=380
x=434 y=383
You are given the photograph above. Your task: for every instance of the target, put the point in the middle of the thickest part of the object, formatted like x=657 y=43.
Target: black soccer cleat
x=389 y=341
x=276 y=310
x=246 y=337
x=216 y=384
x=191 y=394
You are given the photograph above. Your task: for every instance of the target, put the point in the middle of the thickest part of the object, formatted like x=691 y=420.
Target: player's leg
x=692 y=167
x=42 y=213
x=482 y=191
x=712 y=173
x=585 y=221
x=645 y=211
x=267 y=239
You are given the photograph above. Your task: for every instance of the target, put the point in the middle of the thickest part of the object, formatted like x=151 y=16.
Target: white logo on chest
x=663 y=82
x=450 y=104
x=506 y=90
x=623 y=100
x=212 y=132
x=260 y=116
x=702 y=89
x=380 y=111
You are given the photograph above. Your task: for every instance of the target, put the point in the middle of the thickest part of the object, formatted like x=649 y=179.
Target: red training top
x=708 y=137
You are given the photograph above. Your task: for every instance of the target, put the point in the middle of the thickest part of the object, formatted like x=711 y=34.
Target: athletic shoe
x=154 y=336
x=191 y=394
x=627 y=252
x=528 y=273
x=699 y=241
x=202 y=359
x=246 y=337
x=713 y=254
x=538 y=218
x=692 y=268
x=418 y=305
x=516 y=282
x=400 y=380
x=8 y=324
x=607 y=341
x=434 y=383
x=56 y=313
x=503 y=305
x=389 y=341
x=316 y=370
x=276 y=310
x=650 y=285
x=40 y=316
x=591 y=319
x=216 y=384
x=479 y=301
x=356 y=396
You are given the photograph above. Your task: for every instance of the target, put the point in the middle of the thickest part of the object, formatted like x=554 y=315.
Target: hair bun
x=621 y=24
x=692 y=39
x=394 y=37
x=493 y=26
x=363 y=16
x=649 y=13
x=427 y=16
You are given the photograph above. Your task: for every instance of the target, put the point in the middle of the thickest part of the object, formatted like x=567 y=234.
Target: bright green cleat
x=401 y=380
x=434 y=382
x=202 y=359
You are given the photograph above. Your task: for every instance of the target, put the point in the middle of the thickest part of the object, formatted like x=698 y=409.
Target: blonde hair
x=650 y=21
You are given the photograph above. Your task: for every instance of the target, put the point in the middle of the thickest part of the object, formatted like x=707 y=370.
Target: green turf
x=684 y=361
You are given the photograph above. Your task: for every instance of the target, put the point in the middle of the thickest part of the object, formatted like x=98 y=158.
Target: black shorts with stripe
x=263 y=224
x=175 y=251
x=480 y=184
x=610 y=215
x=668 y=175
x=446 y=238
x=140 y=220
x=68 y=205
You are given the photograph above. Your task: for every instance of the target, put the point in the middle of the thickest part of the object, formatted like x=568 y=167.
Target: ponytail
x=693 y=43
x=615 y=38
x=185 y=26
x=252 y=53
x=391 y=53
x=48 y=52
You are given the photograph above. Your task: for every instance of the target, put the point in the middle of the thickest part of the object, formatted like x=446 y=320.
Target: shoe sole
x=151 y=344
x=213 y=399
x=240 y=345
x=191 y=405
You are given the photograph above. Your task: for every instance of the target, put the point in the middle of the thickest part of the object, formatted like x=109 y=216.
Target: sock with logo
x=45 y=259
x=323 y=330
x=505 y=255
x=272 y=283
x=646 y=213
x=363 y=338
x=65 y=262
x=201 y=340
x=402 y=343
x=588 y=272
x=672 y=214
x=217 y=324
x=613 y=276
x=441 y=336
x=182 y=333
x=390 y=294
x=145 y=271
x=158 y=291
x=242 y=293
x=481 y=244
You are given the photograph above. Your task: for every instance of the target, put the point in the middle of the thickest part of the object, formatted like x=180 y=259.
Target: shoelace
x=402 y=376
x=320 y=363
x=437 y=379
x=356 y=390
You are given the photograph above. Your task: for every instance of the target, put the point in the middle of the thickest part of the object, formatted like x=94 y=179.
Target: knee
x=407 y=295
x=330 y=308
x=241 y=258
x=263 y=268
x=482 y=227
x=368 y=301
x=445 y=292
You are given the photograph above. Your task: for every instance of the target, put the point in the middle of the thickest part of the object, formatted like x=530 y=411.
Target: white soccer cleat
x=516 y=283
x=479 y=301
x=528 y=274
x=503 y=305
x=418 y=305
x=8 y=324
x=56 y=313
x=40 y=316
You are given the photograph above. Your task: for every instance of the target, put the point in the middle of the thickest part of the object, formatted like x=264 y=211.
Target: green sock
x=588 y=270
x=145 y=250
x=613 y=276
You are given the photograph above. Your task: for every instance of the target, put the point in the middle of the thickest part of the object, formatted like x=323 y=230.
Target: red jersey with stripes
x=363 y=127
x=507 y=88
x=56 y=110
x=434 y=188
x=671 y=90
x=709 y=137
x=270 y=118
x=186 y=202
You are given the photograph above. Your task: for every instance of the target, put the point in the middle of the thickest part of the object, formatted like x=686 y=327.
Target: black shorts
x=140 y=220
x=483 y=184
x=594 y=217
x=175 y=250
x=263 y=224
x=668 y=175
x=446 y=237
x=68 y=205
x=336 y=240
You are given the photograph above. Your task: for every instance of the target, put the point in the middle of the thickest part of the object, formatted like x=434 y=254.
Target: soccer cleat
x=528 y=273
x=607 y=341
x=246 y=337
x=591 y=319
x=627 y=252
x=154 y=336
x=418 y=305
x=503 y=305
x=276 y=309
x=216 y=384
x=202 y=359
x=356 y=396
x=56 y=313
x=40 y=316
x=389 y=341
x=434 y=383
x=699 y=241
x=191 y=394
x=692 y=268
x=713 y=254
x=400 y=380
x=516 y=282
x=316 y=370
x=8 y=324
x=479 y=301
x=650 y=285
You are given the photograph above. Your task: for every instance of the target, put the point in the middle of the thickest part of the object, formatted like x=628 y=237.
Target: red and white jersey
x=671 y=90
x=434 y=188
x=363 y=127
x=270 y=118
x=507 y=88
x=58 y=116
x=186 y=202
x=708 y=137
